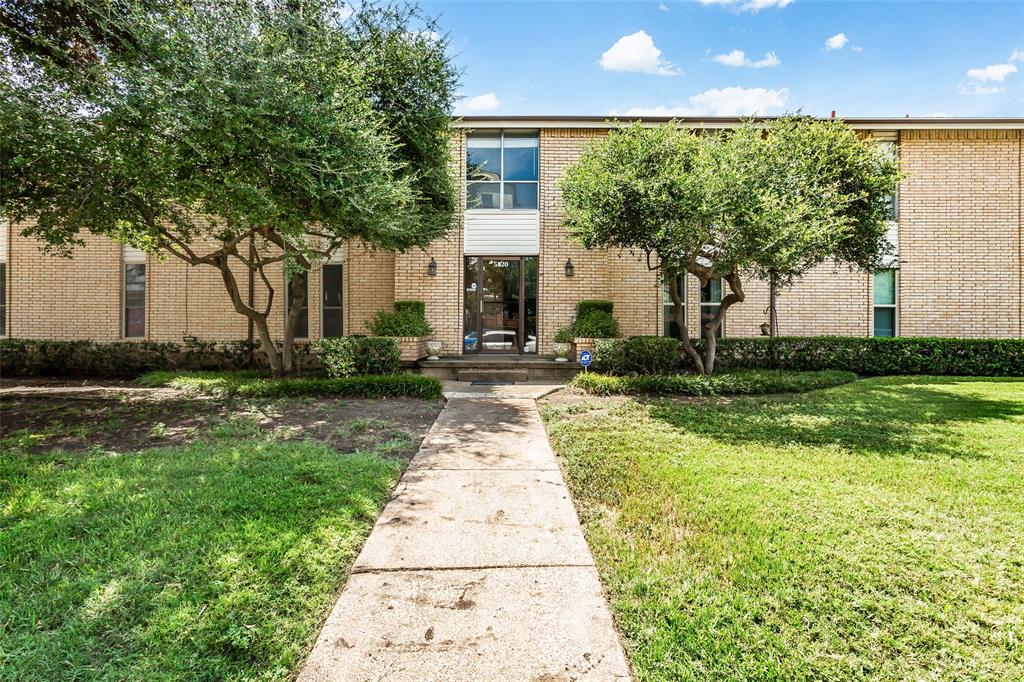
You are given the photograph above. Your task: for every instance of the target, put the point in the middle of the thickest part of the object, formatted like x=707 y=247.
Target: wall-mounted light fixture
x=432 y=267
x=570 y=269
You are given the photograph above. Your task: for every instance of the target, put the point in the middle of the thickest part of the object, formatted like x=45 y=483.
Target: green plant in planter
x=564 y=335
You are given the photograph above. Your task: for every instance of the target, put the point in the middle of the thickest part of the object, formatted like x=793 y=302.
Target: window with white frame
x=669 y=326
x=502 y=170
x=884 y=298
x=331 y=305
x=134 y=293
x=302 y=327
x=710 y=303
x=888 y=142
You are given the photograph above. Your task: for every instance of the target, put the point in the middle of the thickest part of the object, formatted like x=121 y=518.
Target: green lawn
x=870 y=531
x=211 y=559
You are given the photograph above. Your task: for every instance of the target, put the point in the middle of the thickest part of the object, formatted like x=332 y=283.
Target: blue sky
x=681 y=57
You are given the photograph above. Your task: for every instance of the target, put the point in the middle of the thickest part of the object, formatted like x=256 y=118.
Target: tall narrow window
x=134 y=300
x=669 y=326
x=302 y=328
x=710 y=303
x=502 y=170
x=885 y=303
x=331 y=307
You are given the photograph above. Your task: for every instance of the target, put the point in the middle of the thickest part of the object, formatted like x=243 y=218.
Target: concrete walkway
x=477 y=569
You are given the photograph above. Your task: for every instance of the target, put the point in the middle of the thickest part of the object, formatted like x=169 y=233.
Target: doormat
x=492 y=383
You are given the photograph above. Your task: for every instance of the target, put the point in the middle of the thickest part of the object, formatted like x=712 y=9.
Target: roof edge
x=906 y=123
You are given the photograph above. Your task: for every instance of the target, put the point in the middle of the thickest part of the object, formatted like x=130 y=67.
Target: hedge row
x=34 y=357
x=748 y=382
x=866 y=356
x=256 y=385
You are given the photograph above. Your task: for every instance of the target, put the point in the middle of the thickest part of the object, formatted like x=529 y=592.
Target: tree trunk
x=773 y=315
x=297 y=299
x=258 y=319
x=735 y=295
x=684 y=332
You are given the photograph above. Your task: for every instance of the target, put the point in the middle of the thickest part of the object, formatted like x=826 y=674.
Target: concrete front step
x=500 y=368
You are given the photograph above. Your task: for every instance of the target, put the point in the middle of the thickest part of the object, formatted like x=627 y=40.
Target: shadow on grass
x=212 y=561
x=893 y=416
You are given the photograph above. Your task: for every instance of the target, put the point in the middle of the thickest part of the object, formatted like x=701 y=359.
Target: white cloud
x=747 y=5
x=636 y=52
x=836 y=42
x=663 y=7
x=857 y=48
x=486 y=102
x=739 y=58
x=731 y=101
x=981 y=81
x=992 y=72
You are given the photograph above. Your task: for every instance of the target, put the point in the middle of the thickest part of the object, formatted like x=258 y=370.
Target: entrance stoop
x=514 y=368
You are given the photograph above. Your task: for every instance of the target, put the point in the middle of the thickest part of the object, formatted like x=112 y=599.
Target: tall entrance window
x=502 y=170
x=133 y=295
x=331 y=306
x=302 y=327
x=500 y=304
x=710 y=303
x=669 y=326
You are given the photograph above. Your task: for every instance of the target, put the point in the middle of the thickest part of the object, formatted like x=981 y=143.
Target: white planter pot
x=562 y=352
x=433 y=348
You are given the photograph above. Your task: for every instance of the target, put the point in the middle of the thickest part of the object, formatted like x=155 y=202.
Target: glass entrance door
x=500 y=305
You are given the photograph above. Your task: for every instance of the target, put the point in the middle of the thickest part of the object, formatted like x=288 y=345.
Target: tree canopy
x=769 y=200
x=189 y=129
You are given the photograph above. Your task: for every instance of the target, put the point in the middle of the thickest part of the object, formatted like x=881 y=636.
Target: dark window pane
x=530 y=303
x=483 y=195
x=483 y=158
x=135 y=300
x=520 y=195
x=711 y=292
x=332 y=303
x=885 y=322
x=522 y=156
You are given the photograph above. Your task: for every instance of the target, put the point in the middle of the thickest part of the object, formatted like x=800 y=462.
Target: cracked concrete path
x=477 y=569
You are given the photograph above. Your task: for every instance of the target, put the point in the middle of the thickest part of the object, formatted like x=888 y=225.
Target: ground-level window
x=332 y=310
x=134 y=300
x=302 y=328
x=669 y=326
x=710 y=303
x=885 y=303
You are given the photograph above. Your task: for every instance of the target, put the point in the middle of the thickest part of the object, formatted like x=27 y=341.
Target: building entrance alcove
x=500 y=305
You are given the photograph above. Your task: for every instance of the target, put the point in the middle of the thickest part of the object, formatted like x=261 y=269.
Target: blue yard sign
x=586 y=357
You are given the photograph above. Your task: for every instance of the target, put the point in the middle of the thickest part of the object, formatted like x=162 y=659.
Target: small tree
x=228 y=135
x=731 y=205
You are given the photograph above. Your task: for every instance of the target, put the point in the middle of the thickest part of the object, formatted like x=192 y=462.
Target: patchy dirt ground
x=43 y=423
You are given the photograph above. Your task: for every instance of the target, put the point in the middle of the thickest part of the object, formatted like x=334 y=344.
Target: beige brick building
x=501 y=282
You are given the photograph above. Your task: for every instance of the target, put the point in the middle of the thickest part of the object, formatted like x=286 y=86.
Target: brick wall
x=960 y=231
x=960 y=260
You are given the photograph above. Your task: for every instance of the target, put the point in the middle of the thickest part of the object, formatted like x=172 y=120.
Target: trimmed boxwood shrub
x=596 y=325
x=121 y=359
x=872 y=356
x=748 y=382
x=418 y=307
x=407 y=319
x=347 y=356
x=256 y=385
x=637 y=355
x=585 y=308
